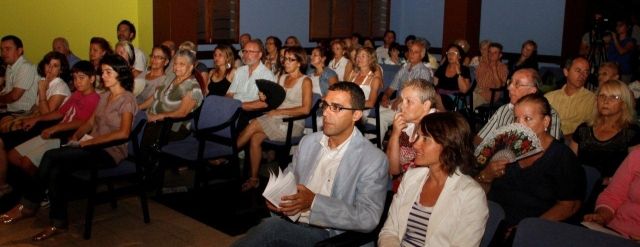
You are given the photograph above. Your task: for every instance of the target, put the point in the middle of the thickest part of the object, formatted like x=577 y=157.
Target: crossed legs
x=253 y=135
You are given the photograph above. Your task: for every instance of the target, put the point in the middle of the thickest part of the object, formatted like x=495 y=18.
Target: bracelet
x=482 y=179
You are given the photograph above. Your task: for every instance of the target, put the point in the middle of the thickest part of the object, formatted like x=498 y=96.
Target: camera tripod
x=597 y=55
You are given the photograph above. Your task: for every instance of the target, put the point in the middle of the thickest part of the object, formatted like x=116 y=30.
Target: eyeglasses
x=452 y=52
x=158 y=57
x=519 y=85
x=612 y=98
x=249 y=51
x=289 y=59
x=333 y=107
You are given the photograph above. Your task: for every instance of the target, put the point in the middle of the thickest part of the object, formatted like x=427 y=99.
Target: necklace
x=335 y=64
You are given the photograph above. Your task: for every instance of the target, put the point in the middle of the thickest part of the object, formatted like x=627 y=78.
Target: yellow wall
x=38 y=22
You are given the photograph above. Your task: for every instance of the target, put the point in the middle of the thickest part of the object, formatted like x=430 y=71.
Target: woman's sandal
x=250 y=184
x=15 y=214
x=218 y=162
x=48 y=232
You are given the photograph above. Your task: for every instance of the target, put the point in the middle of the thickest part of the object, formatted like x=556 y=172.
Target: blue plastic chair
x=131 y=167
x=214 y=136
x=496 y=215
x=534 y=232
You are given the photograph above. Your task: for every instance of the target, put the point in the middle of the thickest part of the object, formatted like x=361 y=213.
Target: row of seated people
x=294 y=62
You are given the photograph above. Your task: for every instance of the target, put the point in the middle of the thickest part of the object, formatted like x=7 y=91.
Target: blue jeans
x=276 y=231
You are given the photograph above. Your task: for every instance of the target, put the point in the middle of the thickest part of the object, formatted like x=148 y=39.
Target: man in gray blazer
x=342 y=179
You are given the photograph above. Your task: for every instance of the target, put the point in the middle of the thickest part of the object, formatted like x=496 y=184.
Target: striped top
x=417 y=225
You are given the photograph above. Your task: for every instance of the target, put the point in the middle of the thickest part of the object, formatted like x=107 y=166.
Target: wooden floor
x=122 y=226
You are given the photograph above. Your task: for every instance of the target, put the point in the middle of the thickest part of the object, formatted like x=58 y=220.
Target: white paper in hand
x=278 y=186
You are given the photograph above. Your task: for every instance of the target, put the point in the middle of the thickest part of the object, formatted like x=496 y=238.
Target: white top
x=141 y=60
x=339 y=67
x=21 y=74
x=382 y=54
x=322 y=178
x=58 y=87
x=244 y=86
x=458 y=218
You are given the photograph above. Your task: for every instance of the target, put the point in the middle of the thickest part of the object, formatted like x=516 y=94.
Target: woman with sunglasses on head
x=111 y=121
x=452 y=76
x=297 y=102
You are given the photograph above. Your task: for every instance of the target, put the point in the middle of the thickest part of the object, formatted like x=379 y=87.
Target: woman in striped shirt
x=437 y=203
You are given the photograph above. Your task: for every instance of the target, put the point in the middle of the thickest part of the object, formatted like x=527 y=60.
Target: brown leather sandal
x=48 y=232
x=16 y=213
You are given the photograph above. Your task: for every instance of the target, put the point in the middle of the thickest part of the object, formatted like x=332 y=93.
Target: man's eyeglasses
x=612 y=98
x=333 y=107
x=248 y=51
x=515 y=84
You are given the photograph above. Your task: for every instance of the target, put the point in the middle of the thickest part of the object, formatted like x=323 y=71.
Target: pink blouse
x=622 y=196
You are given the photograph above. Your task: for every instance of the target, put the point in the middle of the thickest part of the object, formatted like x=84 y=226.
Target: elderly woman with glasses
x=297 y=102
x=605 y=142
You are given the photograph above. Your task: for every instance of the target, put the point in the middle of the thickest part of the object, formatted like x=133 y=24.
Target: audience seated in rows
x=111 y=121
x=77 y=109
x=270 y=126
x=438 y=203
x=573 y=102
x=339 y=173
x=549 y=184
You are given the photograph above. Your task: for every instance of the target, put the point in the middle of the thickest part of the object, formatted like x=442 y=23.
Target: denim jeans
x=276 y=231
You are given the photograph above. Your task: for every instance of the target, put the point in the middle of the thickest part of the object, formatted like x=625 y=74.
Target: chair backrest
x=540 y=232
x=592 y=176
x=496 y=215
x=388 y=73
x=217 y=110
x=135 y=137
x=310 y=122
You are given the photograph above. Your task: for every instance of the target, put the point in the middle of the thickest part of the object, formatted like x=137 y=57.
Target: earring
x=228 y=65
x=545 y=129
